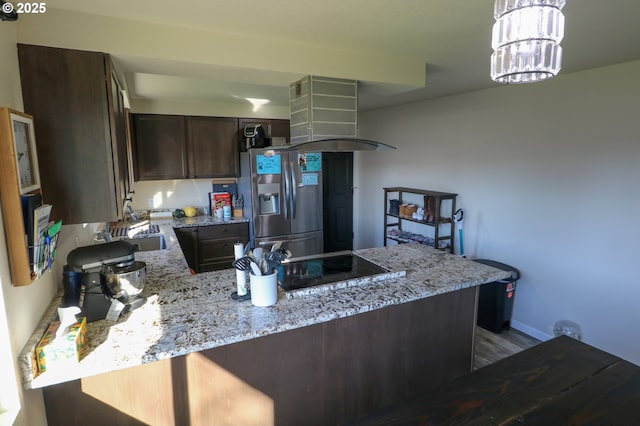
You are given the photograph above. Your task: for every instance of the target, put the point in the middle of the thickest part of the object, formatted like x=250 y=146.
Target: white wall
x=21 y=308
x=171 y=194
x=547 y=174
x=213 y=109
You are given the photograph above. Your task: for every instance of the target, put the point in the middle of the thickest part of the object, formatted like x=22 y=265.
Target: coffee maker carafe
x=111 y=279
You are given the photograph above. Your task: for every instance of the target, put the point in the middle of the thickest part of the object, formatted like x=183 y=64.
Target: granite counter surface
x=187 y=313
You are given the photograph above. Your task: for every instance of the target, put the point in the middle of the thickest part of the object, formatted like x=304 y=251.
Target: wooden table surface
x=559 y=382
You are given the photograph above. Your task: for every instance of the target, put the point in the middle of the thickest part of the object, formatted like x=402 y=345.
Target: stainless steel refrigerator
x=286 y=198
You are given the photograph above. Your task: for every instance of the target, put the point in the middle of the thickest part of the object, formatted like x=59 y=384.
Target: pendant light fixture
x=526 y=40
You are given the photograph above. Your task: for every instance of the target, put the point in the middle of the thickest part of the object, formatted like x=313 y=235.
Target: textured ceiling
x=451 y=37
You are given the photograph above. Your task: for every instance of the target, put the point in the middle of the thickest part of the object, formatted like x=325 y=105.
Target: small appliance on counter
x=255 y=136
x=112 y=279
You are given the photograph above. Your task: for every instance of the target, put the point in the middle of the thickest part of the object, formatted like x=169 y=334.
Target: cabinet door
x=281 y=128
x=66 y=93
x=212 y=147
x=188 y=239
x=215 y=245
x=216 y=254
x=119 y=136
x=160 y=147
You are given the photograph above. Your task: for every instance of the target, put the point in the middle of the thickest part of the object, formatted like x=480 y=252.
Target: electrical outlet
x=150 y=202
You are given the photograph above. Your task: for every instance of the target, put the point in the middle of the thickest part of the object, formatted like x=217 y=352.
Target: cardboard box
x=53 y=352
x=218 y=200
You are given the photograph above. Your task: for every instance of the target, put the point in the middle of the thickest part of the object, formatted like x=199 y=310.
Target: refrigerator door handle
x=288 y=240
x=285 y=177
x=294 y=186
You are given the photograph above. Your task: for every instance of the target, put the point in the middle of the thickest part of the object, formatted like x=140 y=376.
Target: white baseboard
x=533 y=332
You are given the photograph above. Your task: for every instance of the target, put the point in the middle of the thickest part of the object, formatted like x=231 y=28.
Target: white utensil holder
x=264 y=289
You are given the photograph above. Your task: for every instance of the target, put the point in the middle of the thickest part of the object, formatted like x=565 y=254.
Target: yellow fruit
x=190 y=211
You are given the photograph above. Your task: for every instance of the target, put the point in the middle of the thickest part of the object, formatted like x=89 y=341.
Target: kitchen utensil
x=273 y=259
x=276 y=245
x=457 y=218
x=255 y=269
x=278 y=255
x=243 y=263
x=269 y=266
x=258 y=254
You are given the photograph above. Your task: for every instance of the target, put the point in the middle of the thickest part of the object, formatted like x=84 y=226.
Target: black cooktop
x=323 y=270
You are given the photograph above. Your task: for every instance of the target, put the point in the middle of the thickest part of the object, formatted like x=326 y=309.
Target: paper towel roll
x=238 y=250
x=241 y=276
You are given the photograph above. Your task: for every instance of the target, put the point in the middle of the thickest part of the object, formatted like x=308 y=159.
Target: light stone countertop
x=187 y=313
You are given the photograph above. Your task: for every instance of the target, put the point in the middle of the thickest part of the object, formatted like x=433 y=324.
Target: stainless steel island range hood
x=324 y=116
x=340 y=145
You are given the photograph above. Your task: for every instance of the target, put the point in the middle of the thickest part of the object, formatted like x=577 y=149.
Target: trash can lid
x=515 y=274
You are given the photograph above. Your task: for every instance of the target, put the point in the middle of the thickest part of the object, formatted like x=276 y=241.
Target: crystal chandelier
x=526 y=39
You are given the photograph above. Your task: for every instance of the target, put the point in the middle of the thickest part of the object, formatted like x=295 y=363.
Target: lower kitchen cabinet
x=210 y=248
x=322 y=374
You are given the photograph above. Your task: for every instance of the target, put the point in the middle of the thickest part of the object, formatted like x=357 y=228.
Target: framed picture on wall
x=24 y=141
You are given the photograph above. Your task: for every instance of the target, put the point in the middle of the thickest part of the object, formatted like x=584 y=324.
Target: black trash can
x=495 y=305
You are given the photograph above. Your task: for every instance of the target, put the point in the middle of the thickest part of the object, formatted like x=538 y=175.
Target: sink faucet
x=131 y=214
x=104 y=233
x=129 y=210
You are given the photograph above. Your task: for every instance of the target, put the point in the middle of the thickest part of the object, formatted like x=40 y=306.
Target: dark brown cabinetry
x=160 y=147
x=181 y=147
x=273 y=128
x=211 y=147
x=79 y=118
x=334 y=371
x=210 y=248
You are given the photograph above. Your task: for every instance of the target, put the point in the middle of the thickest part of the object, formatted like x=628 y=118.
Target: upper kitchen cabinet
x=160 y=147
x=211 y=146
x=79 y=118
x=181 y=147
x=273 y=128
x=280 y=129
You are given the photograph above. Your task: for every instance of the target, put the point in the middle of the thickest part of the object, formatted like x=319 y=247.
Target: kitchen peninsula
x=192 y=354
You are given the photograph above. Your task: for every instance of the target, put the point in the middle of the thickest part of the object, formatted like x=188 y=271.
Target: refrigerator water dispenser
x=269 y=198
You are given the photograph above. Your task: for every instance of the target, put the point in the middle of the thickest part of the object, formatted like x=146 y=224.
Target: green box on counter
x=52 y=350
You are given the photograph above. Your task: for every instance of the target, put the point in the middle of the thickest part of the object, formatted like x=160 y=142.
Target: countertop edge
x=26 y=358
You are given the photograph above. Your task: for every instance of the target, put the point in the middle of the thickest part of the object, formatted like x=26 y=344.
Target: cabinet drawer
x=216 y=251
x=216 y=266
x=231 y=230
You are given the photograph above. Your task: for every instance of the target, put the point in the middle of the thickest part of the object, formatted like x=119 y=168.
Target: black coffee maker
x=255 y=136
x=95 y=301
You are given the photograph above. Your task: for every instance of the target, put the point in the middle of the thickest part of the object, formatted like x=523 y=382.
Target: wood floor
x=491 y=347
